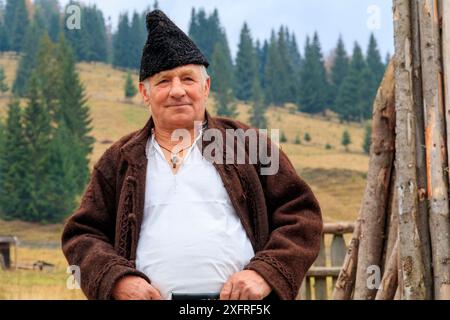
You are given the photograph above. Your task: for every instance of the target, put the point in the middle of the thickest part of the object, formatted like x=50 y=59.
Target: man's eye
x=162 y=81
x=188 y=79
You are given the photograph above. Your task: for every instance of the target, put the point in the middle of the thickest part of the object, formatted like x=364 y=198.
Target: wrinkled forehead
x=190 y=69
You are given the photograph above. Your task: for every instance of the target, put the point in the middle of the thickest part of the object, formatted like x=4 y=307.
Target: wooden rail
x=326 y=266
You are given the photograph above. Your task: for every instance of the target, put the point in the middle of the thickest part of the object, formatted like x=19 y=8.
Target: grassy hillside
x=337 y=177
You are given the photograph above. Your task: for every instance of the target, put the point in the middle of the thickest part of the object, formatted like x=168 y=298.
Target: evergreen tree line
x=44 y=144
x=274 y=70
x=21 y=20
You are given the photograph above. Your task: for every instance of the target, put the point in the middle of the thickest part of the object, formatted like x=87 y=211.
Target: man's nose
x=177 y=89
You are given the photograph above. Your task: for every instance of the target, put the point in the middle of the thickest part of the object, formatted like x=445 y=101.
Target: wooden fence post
x=338 y=250
x=320 y=282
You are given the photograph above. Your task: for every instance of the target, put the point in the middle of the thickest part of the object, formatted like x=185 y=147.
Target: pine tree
x=75 y=114
x=367 y=137
x=367 y=94
x=3 y=38
x=296 y=62
x=130 y=89
x=262 y=61
x=197 y=32
x=287 y=83
x=120 y=40
x=28 y=60
x=2 y=11
x=350 y=98
x=48 y=12
x=76 y=37
x=374 y=61
x=314 y=91
x=206 y=32
x=219 y=36
x=62 y=191
x=281 y=77
x=246 y=65
x=54 y=139
x=89 y=42
x=346 y=140
x=272 y=71
x=373 y=75
x=16 y=23
x=47 y=69
x=96 y=26
x=37 y=132
x=3 y=35
x=222 y=75
x=136 y=41
x=14 y=160
x=257 y=115
x=3 y=86
x=193 y=30
x=339 y=71
x=307 y=137
x=294 y=53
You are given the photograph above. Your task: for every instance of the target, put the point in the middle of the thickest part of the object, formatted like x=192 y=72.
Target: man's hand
x=245 y=285
x=135 y=288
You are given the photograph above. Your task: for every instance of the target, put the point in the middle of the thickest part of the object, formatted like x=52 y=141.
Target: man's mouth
x=179 y=105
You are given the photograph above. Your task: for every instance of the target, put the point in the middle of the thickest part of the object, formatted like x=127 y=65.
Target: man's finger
x=244 y=295
x=154 y=293
x=226 y=291
x=256 y=296
x=235 y=292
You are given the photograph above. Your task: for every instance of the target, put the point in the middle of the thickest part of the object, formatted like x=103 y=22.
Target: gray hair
x=203 y=73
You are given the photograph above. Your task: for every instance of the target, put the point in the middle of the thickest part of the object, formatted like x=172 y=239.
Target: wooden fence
x=328 y=263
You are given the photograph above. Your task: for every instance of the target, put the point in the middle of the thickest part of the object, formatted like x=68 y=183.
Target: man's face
x=177 y=96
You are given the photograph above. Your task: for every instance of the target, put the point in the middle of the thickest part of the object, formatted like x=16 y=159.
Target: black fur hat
x=167 y=47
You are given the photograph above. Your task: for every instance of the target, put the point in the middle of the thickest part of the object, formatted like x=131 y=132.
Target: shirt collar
x=151 y=146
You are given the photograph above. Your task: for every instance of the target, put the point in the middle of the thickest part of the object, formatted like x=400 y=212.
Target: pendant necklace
x=174 y=156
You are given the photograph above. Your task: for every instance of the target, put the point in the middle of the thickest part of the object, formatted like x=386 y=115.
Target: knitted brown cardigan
x=279 y=213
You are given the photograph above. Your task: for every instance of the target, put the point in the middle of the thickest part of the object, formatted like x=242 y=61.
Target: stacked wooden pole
x=401 y=244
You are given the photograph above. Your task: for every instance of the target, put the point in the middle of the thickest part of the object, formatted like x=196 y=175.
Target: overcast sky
x=353 y=19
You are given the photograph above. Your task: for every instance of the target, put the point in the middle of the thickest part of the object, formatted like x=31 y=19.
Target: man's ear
x=144 y=93
x=207 y=87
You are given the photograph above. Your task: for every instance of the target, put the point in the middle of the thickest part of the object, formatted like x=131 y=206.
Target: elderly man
x=159 y=220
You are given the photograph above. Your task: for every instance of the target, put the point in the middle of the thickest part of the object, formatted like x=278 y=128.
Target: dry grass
x=336 y=177
x=34 y=284
x=339 y=192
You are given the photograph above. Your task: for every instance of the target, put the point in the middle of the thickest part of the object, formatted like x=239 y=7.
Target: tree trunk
x=422 y=209
x=389 y=282
x=346 y=279
x=391 y=222
x=436 y=153
x=373 y=208
x=445 y=16
x=409 y=244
